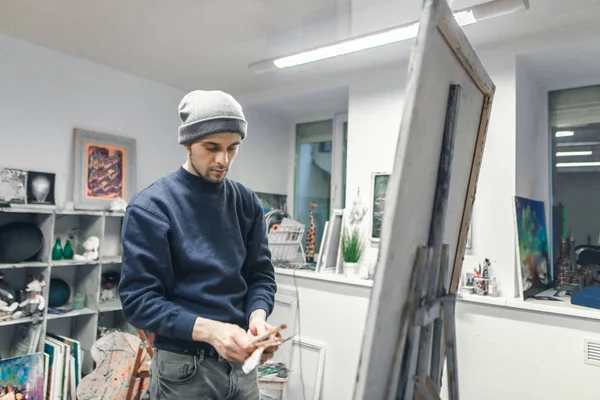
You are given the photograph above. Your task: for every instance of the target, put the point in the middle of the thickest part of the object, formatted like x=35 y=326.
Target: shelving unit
x=82 y=276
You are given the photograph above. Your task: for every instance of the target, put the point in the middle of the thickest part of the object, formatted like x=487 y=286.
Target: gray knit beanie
x=204 y=113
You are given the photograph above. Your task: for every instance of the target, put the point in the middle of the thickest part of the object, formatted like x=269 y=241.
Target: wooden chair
x=141 y=370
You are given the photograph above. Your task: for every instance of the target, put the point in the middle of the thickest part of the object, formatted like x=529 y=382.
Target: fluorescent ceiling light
x=573 y=153
x=350 y=46
x=564 y=133
x=465 y=17
x=578 y=164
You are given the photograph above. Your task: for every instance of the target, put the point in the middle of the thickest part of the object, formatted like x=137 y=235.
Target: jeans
x=199 y=376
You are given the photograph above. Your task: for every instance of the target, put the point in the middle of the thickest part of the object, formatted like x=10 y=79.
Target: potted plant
x=353 y=247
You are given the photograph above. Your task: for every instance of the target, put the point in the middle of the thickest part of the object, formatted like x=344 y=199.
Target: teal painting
x=532 y=239
x=23 y=377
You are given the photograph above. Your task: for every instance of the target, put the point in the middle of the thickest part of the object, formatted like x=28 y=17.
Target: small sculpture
x=8 y=303
x=357 y=212
x=310 y=235
x=109 y=284
x=91 y=246
x=118 y=205
x=35 y=304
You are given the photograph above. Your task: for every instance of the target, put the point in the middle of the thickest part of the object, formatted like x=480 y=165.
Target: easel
x=139 y=372
x=434 y=314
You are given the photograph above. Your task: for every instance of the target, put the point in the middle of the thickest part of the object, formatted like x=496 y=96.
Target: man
x=196 y=266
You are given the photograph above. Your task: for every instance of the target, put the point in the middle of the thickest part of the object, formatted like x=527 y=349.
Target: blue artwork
x=23 y=375
x=532 y=236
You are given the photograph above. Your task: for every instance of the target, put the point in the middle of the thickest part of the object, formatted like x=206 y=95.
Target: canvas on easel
x=429 y=202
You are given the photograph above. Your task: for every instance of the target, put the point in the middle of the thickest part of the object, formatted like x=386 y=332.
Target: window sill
x=564 y=307
x=325 y=276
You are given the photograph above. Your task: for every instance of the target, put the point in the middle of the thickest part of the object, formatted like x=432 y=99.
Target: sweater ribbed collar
x=199 y=182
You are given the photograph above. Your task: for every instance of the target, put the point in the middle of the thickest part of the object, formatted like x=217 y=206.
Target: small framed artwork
x=105 y=169
x=379 y=185
x=40 y=188
x=13 y=186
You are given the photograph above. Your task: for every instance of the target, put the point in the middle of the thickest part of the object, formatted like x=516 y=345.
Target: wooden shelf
x=31 y=264
x=81 y=276
x=112 y=305
x=9 y=322
x=74 y=313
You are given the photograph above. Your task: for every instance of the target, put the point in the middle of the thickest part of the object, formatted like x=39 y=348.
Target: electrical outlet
x=591 y=352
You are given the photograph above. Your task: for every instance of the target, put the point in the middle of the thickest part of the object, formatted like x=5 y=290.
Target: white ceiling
x=192 y=44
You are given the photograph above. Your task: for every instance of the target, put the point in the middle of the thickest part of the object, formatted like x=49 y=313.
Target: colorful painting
x=23 y=377
x=380 y=185
x=105 y=169
x=532 y=240
x=13 y=186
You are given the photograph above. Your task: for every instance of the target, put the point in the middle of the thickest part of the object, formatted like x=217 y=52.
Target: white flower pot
x=350 y=269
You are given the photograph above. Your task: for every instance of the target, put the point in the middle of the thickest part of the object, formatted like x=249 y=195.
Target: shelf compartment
x=111 y=305
x=77 y=227
x=114 y=320
x=44 y=221
x=111 y=242
x=81 y=278
x=81 y=327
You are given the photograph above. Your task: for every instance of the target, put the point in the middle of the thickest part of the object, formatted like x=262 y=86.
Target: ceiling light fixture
x=579 y=164
x=492 y=9
x=573 y=153
x=564 y=133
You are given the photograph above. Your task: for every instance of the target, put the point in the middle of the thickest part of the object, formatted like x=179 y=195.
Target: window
x=575 y=129
x=320 y=171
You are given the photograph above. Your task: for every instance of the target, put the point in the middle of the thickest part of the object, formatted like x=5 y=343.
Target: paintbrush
x=269 y=332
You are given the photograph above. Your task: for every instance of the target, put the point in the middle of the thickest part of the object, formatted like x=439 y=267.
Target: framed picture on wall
x=379 y=193
x=104 y=169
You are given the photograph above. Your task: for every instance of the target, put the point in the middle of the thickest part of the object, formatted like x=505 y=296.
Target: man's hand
x=231 y=342
x=259 y=326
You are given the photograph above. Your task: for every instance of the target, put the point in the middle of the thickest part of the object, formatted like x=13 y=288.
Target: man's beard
x=207 y=175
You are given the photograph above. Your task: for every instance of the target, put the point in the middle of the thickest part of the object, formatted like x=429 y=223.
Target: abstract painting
x=532 y=246
x=13 y=186
x=380 y=185
x=105 y=169
x=23 y=375
x=40 y=188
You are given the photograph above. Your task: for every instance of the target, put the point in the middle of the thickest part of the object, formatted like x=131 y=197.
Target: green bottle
x=57 y=253
x=67 y=251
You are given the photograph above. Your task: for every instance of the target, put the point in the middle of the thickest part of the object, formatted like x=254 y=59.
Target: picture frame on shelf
x=379 y=185
x=40 y=188
x=104 y=169
x=13 y=186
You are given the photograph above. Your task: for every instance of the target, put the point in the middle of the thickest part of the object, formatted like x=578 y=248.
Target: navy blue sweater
x=194 y=248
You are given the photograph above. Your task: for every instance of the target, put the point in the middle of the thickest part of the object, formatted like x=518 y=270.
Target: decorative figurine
x=35 y=304
x=91 y=246
x=310 y=235
x=8 y=304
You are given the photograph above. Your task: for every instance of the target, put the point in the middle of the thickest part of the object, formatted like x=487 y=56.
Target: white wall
x=374 y=114
x=263 y=158
x=45 y=94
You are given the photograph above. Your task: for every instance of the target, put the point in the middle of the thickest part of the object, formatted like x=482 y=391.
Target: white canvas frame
x=321 y=349
x=441 y=57
x=331 y=250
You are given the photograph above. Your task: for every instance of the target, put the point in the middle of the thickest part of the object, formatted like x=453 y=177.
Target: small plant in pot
x=353 y=247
